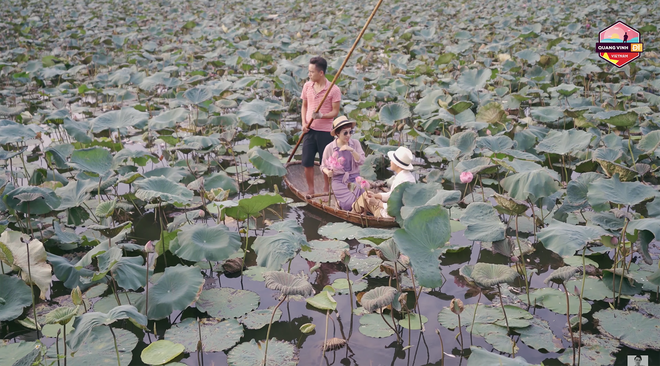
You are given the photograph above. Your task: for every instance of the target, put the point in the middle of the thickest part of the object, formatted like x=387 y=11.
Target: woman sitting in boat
x=341 y=162
x=376 y=203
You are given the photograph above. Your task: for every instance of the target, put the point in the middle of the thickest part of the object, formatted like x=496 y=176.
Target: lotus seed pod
x=345 y=257
x=456 y=306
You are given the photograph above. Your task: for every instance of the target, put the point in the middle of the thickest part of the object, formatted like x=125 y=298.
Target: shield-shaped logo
x=619 y=44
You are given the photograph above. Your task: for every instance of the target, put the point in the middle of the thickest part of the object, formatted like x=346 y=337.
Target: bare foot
x=309 y=194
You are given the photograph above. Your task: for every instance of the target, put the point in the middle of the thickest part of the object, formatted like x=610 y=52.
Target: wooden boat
x=295 y=180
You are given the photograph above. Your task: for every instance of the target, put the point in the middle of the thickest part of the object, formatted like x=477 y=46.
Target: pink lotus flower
x=149 y=247
x=466 y=177
x=488 y=132
x=362 y=182
x=334 y=162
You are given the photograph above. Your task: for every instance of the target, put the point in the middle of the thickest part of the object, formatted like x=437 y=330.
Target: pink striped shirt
x=313 y=99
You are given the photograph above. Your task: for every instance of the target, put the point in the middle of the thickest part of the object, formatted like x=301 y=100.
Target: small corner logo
x=619 y=44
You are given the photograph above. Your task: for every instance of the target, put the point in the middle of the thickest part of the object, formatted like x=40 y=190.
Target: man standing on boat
x=317 y=136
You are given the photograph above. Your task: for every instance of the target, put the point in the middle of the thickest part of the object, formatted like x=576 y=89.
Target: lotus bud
x=345 y=257
x=149 y=247
x=201 y=213
x=488 y=132
x=466 y=177
x=456 y=306
x=76 y=296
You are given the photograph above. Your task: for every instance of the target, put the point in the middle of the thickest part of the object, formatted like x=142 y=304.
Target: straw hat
x=402 y=157
x=340 y=122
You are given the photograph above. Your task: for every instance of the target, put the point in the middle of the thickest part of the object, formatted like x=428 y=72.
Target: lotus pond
x=144 y=219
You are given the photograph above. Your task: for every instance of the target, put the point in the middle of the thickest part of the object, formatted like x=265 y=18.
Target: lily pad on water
x=227 y=302
x=341 y=286
x=480 y=356
x=372 y=325
x=16 y=353
x=198 y=243
x=98 y=348
x=483 y=223
x=596 y=350
x=14 y=296
x=258 y=319
x=90 y=322
x=540 y=336
x=424 y=233
x=324 y=251
x=594 y=288
x=252 y=354
x=414 y=320
x=633 y=329
x=160 y=352
x=555 y=300
x=217 y=336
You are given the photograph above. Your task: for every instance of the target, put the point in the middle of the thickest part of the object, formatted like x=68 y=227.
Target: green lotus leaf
x=75 y=193
x=258 y=319
x=618 y=118
x=425 y=231
x=79 y=130
x=113 y=120
x=106 y=208
x=20 y=353
x=389 y=250
x=160 y=352
x=70 y=275
x=498 y=143
x=474 y=79
x=97 y=160
x=608 y=220
x=216 y=336
x=615 y=280
x=577 y=190
x=175 y=290
x=372 y=325
x=275 y=250
x=488 y=274
x=465 y=141
x=254 y=112
x=324 y=251
x=307 y=328
x=625 y=174
x=86 y=323
x=491 y=113
x=13 y=133
x=168 y=119
x=613 y=190
x=61 y=315
x=459 y=107
x=98 y=348
x=485 y=315
x=446 y=153
x=594 y=288
x=345 y=230
x=266 y=162
x=473 y=166
x=16 y=295
x=288 y=284
x=253 y=206
x=483 y=223
x=220 y=180
x=378 y=298
x=479 y=356
x=428 y=104
x=649 y=229
x=606 y=154
x=164 y=189
x=565 y=142
x=413 y=321
x=33 y=265
x=412 y=195
x=533 y=185
x=322 y=301
x=37 y=200
x=540 y=336
x=225 y=303
x=596 y=350
x=565 y=90
x=391 y=113
x=650 y=142
x=510 y=206
x=547 y=114
x=252 y=354
x=199 y=243
x=341 y=286
x=198 y=95
x=631 y=328
x=562 y=274
x=105 y=304
x=555 y=300
x=565 y=239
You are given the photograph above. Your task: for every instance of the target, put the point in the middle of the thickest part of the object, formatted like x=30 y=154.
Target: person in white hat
x=376 y=203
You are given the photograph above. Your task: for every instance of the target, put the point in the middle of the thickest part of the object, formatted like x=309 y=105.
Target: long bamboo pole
x=337 y=75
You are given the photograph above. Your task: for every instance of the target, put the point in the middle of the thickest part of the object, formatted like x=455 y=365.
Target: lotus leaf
x=618 y=118
x=323 y=301
x=373 y=325
x=39 y=271
x=129 y=272
x=253 y=206
x=15 y=353
x=225 y=303
x=198 y=95
x=614 y=280
x=345 y=230
x=164 y=189
x=425 y=231
x=491 y=113
x=252 y=354
x=555 y=300
x=488 y=274
x=199 y=243
x=127 y=116
x=631 y=328
x=35 y=200
x=216 y=336
x=413 y=321
x=168 y=119
x=275 y=250
x=596 y=350
x=175 y=290
x=266 y=162
x=70 y=275
x=564 y=142
x=324 y=251
x=480 y=356
x=474 y=79
x=15 y=296
x=288 y=284
x=85 y=324
x=495 y=143
x=613 y=190
x=465 y=141
x=473 y=166
x=650 y=142
x=105 y=304
x=483 y=223
x=565 y=239
x=391 y=113
x=74 y=194
x=160 y=352
x=562 y=275
x=533 y=185
x=61 y=315
x=98 y=348
x=378 y=298
x=594 y=288
x=341 y=286
x=509 y=206
x=258 y=319
x=540 y=336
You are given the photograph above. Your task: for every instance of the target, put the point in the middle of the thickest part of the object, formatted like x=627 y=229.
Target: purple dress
x=346 y=197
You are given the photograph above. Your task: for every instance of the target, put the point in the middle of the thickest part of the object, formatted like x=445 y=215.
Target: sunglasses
x=348 y=132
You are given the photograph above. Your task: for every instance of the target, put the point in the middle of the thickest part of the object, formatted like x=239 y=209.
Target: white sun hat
x=402 y=157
